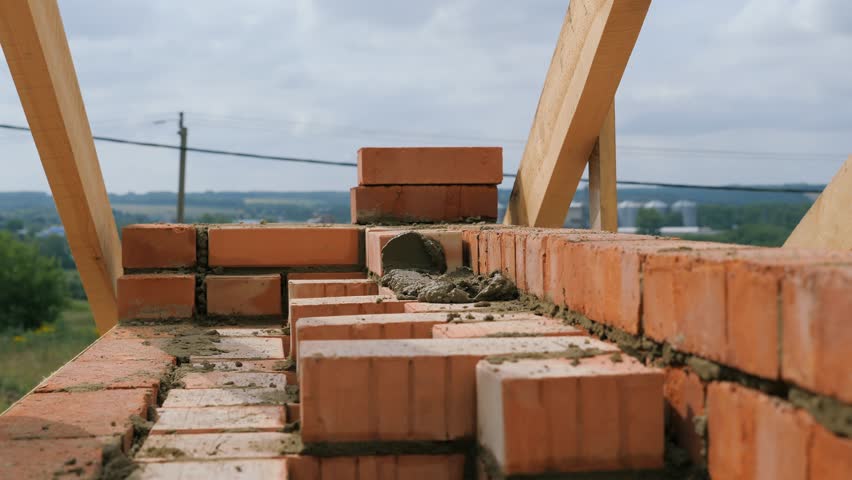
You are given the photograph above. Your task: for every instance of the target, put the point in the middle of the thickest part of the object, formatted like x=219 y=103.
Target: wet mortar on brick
x=416 y=270
x=413 y=251
x=460 y=286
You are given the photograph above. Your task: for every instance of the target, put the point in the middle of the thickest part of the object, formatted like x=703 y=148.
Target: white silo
x=628 y=212
x=657 y=205
x=688 y=211
x=577 y=214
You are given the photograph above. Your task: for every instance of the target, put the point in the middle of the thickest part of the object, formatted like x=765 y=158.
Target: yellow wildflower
x=46 y=329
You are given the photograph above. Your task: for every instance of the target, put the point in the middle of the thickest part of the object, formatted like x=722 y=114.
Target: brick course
x=283 y=246
x=158 y=246
x=247 y=295
x=423 y=203
x=156 y=297
x=430 y=166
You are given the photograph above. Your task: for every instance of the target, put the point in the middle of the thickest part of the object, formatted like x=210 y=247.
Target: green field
x=27 y=358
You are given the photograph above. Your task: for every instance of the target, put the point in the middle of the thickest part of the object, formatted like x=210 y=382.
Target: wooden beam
x=594 y=46
x=36 y=49
x=828 y=223
x=603 y=196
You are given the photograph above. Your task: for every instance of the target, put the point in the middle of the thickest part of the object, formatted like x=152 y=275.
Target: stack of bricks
x=753 y=340
x=426 y=184
x=271 y=352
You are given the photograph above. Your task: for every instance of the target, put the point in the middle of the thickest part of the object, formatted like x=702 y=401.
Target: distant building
x=688 y=211
x=55 y=230
x=628 y=213
x=578 y=215
x=678 y=231
x=657 y=205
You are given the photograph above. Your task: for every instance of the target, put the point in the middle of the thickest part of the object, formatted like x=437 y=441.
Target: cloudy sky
x=728 y=91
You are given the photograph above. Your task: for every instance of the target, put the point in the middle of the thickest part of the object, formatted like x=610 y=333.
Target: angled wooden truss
x=594 y=46
x=828 y=223
x=36 y=49
x=574 y=127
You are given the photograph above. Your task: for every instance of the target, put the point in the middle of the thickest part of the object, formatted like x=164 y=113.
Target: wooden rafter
x=36 y=48
x=828 y=223
x=594 y=46
x=603 y=196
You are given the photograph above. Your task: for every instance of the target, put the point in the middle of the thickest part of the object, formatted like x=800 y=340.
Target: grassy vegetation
x=26 y=358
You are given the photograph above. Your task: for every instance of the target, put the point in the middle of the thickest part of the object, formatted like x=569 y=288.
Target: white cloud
x=321 y=78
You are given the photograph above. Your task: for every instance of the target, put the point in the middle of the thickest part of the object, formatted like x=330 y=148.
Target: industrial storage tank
x=688 y=211
x=577 y=215
x=657 y=205
x=628 y=213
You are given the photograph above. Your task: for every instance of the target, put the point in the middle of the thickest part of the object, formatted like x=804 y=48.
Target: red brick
x=283 y=246
x=330 y=288
x=385 y=467
x=378 y=237
x=753 y=292
x=521 y=260
x=684 y=393
x=495 y=250
x=268 y=366
x=250 y=295
x=830 y=456
x=213 y=446
x=744 y=281
x=53 y=458
x=405 y=389
x=817 y=331
x=423 y=307
x=470 y=249
x=684 y=302
x=483 y=244
x=214 y=379
x=245 y=348
x=387 y=326
x=508 y=255
x=390 y=326
x=222 y=397
x=124 y=331
x=531 y=327
x=549 y=416
x=158 y=246
x=102 y=413
x=326 y=276
x=428 y=467
x=156 y=296
x=237 y=469
x=334 y=306
x=535 y=262
x=247 y=366
x=108 y=350
x=430 y=166
x=423 y=203
x=260 y=418
x=82 y=375
x=754 y=436
x=270 y=332
x=578 y=279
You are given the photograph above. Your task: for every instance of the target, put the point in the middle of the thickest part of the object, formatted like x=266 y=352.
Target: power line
x=264 y=124
x=353 y=164
x=205 y=150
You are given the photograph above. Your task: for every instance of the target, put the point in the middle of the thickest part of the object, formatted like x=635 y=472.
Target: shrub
x=33 y=288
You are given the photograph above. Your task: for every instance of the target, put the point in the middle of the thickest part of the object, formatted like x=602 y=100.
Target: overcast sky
x=319 y=79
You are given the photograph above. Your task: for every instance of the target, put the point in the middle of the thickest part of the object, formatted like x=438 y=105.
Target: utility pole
x=182 y=175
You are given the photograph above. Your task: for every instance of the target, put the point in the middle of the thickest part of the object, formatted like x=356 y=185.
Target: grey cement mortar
x=460 y=286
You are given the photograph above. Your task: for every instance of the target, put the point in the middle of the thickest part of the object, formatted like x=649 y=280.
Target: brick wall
x=754 y=340
x=732 y=358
